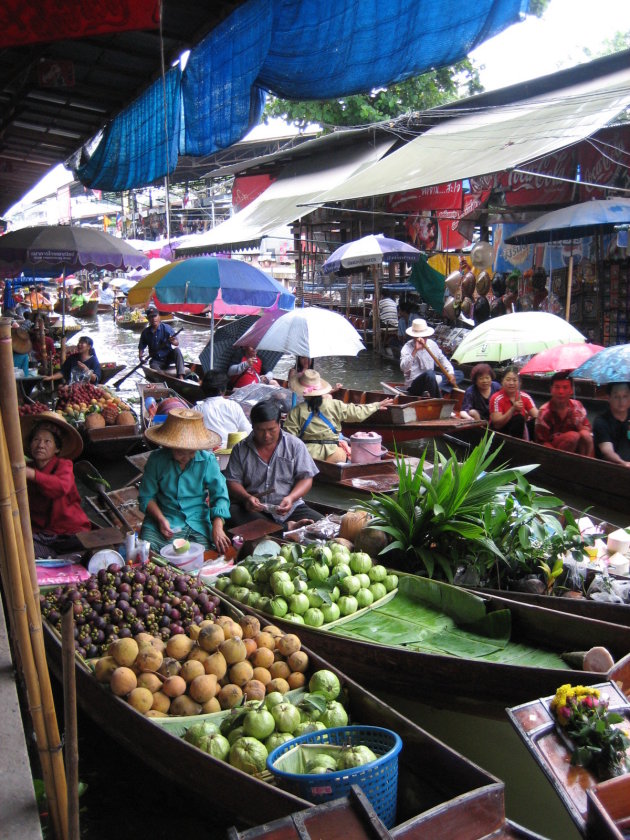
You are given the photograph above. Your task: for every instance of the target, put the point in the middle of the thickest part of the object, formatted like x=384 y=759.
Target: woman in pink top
x=512 y=410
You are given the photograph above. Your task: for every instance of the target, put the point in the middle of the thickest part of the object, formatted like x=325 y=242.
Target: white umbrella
x=518 y=334
x=311 y=332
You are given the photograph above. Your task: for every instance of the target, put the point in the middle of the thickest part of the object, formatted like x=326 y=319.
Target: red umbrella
x=561 y=357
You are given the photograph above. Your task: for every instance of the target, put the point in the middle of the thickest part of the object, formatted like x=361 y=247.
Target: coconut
x=371 y=540
x=352 y=523
x=125 y=418
x=123 y=681
x=94 y=420
x=141 y=699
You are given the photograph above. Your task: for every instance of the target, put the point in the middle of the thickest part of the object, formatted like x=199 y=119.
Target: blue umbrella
x=574 y=222
x=192 y=285
x=609 y=365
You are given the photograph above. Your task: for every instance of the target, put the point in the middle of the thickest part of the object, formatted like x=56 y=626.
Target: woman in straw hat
x=54 y=501
x=317 y=421
x=21 y=345
x=183 y=493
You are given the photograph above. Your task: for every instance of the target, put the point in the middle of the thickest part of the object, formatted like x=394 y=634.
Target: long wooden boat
x=601 y=482
x=535 y=725
x=431 y=777
x=484 y=685
x=109 y=370
x=105 y=308
x=193 y=320
x=89 y=309
x=138 y=325
x=186 y=388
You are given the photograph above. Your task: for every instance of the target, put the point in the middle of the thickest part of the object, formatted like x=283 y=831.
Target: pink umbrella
x=255 y=333
x=559 y=358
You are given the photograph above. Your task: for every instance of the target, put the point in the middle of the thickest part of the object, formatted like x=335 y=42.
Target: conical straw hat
x=183 y=429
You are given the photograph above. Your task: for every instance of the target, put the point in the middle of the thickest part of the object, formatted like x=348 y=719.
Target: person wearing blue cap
x=162 y=344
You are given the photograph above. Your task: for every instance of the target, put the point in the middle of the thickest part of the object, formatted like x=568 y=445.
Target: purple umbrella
x=370 y=250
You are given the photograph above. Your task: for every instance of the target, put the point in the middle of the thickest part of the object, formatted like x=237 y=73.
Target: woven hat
x=21 y=341
x=183 y=429
x=310 y=384
x=232 y=439
x=71 y=441
x=419 y=329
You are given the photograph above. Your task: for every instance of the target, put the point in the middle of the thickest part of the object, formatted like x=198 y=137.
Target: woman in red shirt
x=54 y=501
x=512 y=411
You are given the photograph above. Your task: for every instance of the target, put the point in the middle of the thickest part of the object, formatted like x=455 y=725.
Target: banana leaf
x=463 y=607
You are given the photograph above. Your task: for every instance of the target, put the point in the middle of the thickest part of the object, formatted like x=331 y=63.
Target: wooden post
x=376 y=318
x=71 y=747
x=567 y=311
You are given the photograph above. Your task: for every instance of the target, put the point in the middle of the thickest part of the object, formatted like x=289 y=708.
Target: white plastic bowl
x=618 y=541
x=189 y=561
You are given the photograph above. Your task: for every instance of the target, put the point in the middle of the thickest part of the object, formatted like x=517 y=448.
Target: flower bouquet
x=584 y=719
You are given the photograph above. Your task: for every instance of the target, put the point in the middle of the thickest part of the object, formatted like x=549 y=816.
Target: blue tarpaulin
x=295 y=49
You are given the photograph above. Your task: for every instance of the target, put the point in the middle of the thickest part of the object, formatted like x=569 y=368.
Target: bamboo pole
x=41 y=712
x=71 y=746
x=20 y=546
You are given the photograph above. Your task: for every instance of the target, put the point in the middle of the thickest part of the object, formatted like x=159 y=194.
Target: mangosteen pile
x=121 y=601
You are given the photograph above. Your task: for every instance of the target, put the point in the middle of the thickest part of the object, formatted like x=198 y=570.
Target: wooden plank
x=101 y=538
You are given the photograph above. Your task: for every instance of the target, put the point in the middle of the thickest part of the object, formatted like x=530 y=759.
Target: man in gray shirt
x=269 y=472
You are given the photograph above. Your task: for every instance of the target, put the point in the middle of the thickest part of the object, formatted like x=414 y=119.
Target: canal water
x=127 y=799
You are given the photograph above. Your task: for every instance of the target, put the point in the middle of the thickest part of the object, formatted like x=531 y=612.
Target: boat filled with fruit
x=414 y=634
x=204 y=695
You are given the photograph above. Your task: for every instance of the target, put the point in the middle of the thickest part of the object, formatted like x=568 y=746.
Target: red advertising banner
x=440 y=197
x=527 y=190
x=604 y=159
x=247 y=188
x=36 y=21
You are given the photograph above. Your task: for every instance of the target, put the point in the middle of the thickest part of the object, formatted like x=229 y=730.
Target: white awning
x=279 y=204
x=492 y=140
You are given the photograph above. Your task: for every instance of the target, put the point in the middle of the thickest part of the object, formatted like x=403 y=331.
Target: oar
x=119 y=382
x=92 y=478
x=442 y=368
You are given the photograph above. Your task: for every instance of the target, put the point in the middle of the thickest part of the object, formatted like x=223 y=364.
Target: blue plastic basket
x=378 y=780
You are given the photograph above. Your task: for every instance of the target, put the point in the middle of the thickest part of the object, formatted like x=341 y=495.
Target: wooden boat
x=433 y=780
x=601 y=482
x=376 y=476
x=186 y=388
x=105 y=308
x=89 y=309
x=535 y=724
x=109 y=370
x=137 y=325
x=608 y=809
x=482 y=685
x=194 y=320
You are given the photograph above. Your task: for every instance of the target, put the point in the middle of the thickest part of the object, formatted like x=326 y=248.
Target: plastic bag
x=249 y=395
x=605 y=588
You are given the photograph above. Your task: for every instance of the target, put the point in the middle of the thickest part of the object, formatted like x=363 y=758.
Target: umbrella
x=370 y=250
x=192 y=285
x=609 y=365
x=518 y=334
x=59 y=249
x=561 y=358
x=585 y=219
x=220 y=353
x=312 y=332
x=255 y=332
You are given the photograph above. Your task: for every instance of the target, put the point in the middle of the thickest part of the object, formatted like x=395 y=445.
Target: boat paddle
x=92 y=478
x=119 y=382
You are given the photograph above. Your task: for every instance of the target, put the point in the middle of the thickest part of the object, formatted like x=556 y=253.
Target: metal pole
x=212 y=336
x=167 y=208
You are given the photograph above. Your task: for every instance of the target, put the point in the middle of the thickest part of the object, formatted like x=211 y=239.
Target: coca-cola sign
x=439 y=197
x=604 y=161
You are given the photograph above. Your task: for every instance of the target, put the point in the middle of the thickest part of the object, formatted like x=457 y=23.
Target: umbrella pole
x=63 y=307
x=212 y=336
x=376 y=320
x=569 y=285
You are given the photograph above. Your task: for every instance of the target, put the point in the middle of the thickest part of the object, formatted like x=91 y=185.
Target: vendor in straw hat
x=417 y=361
x=21 y=344
x=183 y=493
x=54 y=501
x=317 y=421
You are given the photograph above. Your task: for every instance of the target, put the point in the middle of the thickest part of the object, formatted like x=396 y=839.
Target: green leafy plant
x=436 y=520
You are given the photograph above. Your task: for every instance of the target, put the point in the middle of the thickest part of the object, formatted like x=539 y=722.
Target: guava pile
x=314 y=585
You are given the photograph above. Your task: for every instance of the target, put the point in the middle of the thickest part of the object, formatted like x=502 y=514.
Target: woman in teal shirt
x=183 y=493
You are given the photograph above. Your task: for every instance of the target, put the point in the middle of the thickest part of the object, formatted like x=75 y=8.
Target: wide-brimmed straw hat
x=232 y=439
x=183 y=429
x=310 y=384
x=21 y=340
x=419 y=329
x=71 y=441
